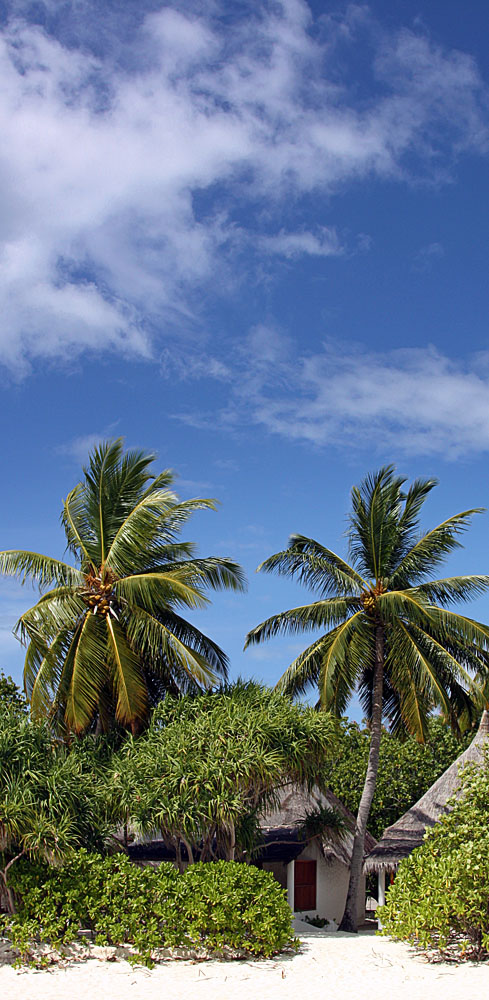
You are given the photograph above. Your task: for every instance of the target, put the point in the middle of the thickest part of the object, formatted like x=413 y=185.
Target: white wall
x=332 y=886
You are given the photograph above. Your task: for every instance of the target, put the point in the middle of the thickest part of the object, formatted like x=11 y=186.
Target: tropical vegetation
x=387 y=629
x=209 y=766
x=224 y=909
x=10 y=694
x=52 y=799
x=407 y=768
x=106 y=637
x=440 y=896
x=200 y=775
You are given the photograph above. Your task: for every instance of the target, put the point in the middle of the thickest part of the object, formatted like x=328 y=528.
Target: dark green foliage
x=316 y=921
x=11 y=696
x=406 y=769
x=440 y=897
x=208 y=765
x=321 y=822
x=51 y=799
x=210 y=907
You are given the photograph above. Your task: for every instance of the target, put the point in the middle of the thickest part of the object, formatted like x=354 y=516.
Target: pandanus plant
x=107 y=632
x=386 y=630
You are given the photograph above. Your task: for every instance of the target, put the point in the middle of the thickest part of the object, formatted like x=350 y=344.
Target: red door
x=305 y=885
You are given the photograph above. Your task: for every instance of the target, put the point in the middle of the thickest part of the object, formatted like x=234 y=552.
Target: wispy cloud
x=194 y=366
x=426 y=256
x=409 y=401
x=78 y=448
x=106 y=148
x=325 y=242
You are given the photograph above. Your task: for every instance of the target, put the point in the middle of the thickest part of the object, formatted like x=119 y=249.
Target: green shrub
x=440 y=897
x=210 y=907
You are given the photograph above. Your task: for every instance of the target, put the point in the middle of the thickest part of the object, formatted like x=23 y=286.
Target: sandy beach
x=333 y=966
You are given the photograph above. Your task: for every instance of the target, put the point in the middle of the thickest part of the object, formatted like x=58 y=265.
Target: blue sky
x=252 y=238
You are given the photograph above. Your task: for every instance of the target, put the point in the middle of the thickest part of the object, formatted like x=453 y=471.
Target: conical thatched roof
x=402 y=837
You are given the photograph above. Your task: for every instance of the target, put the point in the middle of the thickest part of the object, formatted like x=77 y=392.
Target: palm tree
x=101 y=630
x=385 y=634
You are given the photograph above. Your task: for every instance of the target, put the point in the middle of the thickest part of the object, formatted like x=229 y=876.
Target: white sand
x=329 y=966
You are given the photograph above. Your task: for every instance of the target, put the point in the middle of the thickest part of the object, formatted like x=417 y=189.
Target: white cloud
x=415 y=401
x=103 y=159
x=323 y=243
x=194 y=366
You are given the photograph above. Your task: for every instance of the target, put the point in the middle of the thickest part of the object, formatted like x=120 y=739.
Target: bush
x=52 y=798
x=440 y=897
x=211 y=907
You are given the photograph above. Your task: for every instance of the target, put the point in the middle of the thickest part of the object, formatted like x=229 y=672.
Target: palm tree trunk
x=349 y=920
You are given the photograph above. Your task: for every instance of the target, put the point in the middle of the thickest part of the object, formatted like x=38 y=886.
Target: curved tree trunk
x=11 y=909
x=349 y=920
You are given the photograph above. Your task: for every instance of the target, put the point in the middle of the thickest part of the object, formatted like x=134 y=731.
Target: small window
x=305 y=885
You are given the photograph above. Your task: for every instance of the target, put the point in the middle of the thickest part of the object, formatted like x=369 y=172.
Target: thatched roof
x=280 y=831
x=402 y=837
x=284 y=823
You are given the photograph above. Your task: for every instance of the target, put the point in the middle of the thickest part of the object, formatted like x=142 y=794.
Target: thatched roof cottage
x=314 y=870
x=408 y=832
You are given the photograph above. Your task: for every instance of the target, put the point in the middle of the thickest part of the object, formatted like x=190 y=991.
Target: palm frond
x=315 y=567
x=430 y=659
x=412 y=681
x=81 y=538
x=310 y=616
x=454 y=588
x=215 y=572
x=88 y=674
x=156 y=641
x=373 y=533
x=40 y=569
x=445 y=623
x=58 y=709
x=50 y=615
x=153 y=589
x=336 y=657
x=391 y=711
x=448 y=662
x=305 y=669
x=408 y=525
x=130 y=688
x=431 y=549
x=404 y=603
x=139 y=530
x=337 y=690
x=42 y=669
x=193 y=638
